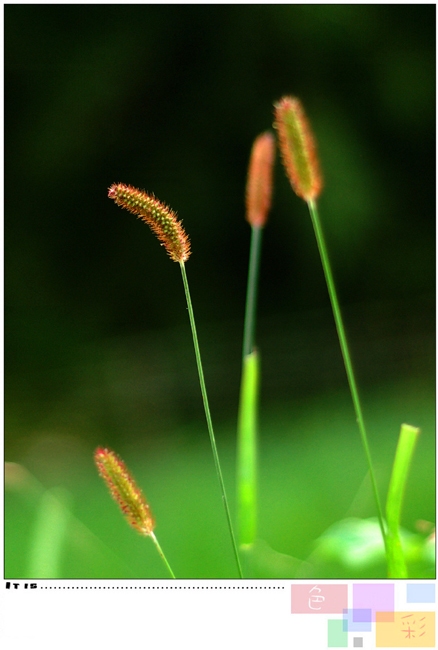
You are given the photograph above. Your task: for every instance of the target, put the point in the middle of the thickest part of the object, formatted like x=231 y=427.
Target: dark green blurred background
x=98 y=348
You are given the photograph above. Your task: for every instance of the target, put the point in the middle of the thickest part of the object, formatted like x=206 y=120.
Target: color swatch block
x=377 y=597
x=407 y=630
x=319 y=599
x=420 y=593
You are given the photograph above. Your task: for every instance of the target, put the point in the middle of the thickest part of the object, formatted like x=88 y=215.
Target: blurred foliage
x=169 y=98
x=312 y=475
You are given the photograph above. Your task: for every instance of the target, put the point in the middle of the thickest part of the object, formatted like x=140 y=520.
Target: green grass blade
x=403 y=457
x=247 y=450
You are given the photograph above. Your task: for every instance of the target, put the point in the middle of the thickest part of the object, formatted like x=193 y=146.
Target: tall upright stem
x=248 y=405
x=345 y=353
x=251 y=294
x=208 y=415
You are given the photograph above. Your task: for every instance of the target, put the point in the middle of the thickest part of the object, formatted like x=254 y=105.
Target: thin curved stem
x=208 y=415
x=345 y=354
x=161 y=554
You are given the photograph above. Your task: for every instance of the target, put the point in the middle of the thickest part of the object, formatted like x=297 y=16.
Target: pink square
x=319 y=599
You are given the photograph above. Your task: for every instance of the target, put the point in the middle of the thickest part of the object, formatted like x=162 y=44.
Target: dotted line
x=154 y=587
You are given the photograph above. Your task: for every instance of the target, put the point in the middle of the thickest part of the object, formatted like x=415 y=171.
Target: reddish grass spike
x=160 y=218
x=298 y=148
x=124 y=490
x=259 y=184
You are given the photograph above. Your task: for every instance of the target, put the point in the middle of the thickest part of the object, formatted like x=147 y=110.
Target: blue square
x=420 y=593
x=356 y=620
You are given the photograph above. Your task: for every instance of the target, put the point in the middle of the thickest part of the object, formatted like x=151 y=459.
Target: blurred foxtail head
x=298 y=148
x=259 y=183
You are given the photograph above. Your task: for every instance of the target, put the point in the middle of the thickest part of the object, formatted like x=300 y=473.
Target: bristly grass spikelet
x=124 y=490
x=128 y=495
x=161 y=219
x=298 y=148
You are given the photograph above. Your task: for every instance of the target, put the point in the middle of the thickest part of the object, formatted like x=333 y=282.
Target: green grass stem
x=252 y=290
x=400 y=469
x=248 y=404
x=345 y=354
x=208 y=415
x=247 y=451
x=161 y=554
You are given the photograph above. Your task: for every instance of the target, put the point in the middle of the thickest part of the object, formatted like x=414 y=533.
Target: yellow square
x=406 y=630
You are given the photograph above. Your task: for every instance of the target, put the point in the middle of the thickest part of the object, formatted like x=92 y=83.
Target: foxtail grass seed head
x=259 y=184
x=298 y=148
x=161 y=219
x=124 y=490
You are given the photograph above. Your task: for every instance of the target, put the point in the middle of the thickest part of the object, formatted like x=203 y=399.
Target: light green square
x=336 y=637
